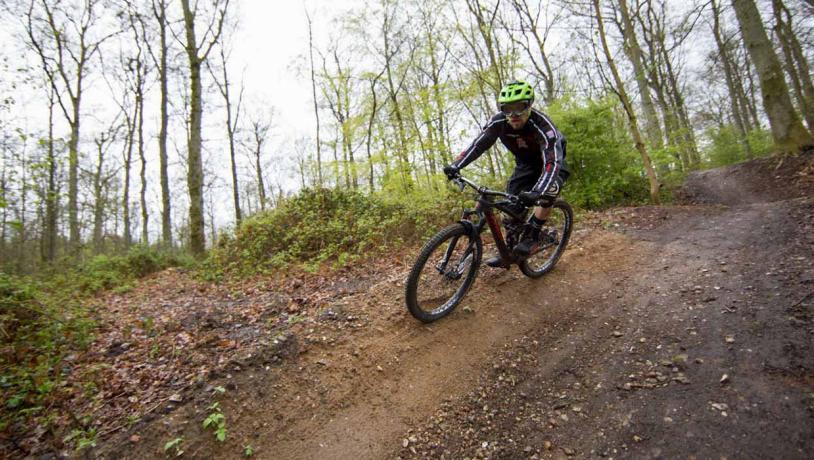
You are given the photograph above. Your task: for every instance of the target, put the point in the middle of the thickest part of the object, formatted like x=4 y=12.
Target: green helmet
x=516 y=91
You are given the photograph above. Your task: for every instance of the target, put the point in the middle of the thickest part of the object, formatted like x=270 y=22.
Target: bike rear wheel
x=443 y=273
x=555 y=236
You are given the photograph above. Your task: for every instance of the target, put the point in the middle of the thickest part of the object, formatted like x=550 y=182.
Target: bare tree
x=314 y=91
x=233 y=112
x=532 y=28
x=197 y=54
x=101 y=179
x=634 y=52
x=65 y=42
x=259 y=126
x=619 y=89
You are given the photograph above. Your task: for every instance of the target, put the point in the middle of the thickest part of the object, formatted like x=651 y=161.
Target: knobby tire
x=426 y=265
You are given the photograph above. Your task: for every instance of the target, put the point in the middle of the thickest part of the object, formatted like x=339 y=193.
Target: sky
x=272 y=36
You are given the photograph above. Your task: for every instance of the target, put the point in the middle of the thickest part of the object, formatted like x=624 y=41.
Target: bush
x=724 y=147
x=337 y=225
x=43 y=319
x=605 y=168
x=38 y=329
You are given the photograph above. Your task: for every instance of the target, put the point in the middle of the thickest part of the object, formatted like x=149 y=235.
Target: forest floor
x=664 y=331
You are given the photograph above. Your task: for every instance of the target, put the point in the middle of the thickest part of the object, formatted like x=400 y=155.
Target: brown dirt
x=676 y=331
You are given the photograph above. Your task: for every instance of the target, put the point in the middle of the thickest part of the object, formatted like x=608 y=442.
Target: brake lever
x=461 y=185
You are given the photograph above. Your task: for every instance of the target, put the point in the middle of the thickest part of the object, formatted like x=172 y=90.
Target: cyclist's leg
x=523 y=179
x=549 y=196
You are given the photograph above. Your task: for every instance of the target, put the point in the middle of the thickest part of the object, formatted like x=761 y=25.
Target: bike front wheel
x=554 y=238
x=443 y=273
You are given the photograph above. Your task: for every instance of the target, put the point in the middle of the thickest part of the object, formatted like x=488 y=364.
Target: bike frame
x=483 y=210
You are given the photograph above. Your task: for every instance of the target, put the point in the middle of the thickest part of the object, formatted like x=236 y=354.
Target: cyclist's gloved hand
x=452 y=171
x=529 y=198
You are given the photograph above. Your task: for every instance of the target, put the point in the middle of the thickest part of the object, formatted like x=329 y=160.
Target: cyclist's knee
x=550 y=196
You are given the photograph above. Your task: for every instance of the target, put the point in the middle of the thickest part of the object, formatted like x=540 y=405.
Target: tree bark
x=796 y=64
x=314 y=91
x=52 y=194
x=231 y=128
x=160 y=13
x=631 y=114
x=738 y=112
x=197 y=235
x=788 y=132
x=634 y=53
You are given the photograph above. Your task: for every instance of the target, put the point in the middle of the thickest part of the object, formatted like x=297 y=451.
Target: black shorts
x=524 y=178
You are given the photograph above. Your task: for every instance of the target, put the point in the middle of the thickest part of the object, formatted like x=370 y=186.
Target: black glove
x=452 y=171
x=530 y=198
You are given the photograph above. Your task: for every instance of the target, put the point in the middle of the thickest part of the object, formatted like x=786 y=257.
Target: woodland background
x=127 y=145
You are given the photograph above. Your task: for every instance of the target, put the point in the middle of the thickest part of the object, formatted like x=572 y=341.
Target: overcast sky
x=272 y=35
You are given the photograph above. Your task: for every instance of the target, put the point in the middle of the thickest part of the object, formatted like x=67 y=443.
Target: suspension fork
x=472 y=229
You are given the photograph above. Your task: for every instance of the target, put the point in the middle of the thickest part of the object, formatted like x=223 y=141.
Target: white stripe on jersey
x=475 y=142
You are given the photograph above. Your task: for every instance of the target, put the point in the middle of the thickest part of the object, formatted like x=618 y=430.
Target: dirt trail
x=621 y=351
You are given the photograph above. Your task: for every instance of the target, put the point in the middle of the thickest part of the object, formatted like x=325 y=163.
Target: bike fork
x=442 y=265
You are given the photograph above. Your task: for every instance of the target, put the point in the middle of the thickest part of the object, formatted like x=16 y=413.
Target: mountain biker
x=539 y=151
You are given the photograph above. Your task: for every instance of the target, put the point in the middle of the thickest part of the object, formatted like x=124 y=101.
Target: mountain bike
x=448 y=263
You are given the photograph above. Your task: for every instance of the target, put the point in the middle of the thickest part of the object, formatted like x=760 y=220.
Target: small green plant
x=248 y=451
x=294 y=319
x=174 y=445
x=154 y=351
x=132 y=420
x=216 y=421
x=82 y=438
x=219 y=389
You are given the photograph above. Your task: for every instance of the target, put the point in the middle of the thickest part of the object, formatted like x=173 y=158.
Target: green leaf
x=174 y=443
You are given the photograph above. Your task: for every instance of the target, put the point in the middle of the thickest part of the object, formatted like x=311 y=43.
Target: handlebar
x=462 y=182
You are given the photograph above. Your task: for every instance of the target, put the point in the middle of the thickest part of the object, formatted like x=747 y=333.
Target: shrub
x=605 y=168
x=723 y=146
x=43 y=318
x=337 y=225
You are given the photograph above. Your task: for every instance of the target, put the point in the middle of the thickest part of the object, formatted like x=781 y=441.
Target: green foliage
x=248 y=451
x=605 y=168
x=82 y=439
x=45 y=318
x=174 y=445
x=330 y=225
x=216 y=421
x=108 y=272
x=724 y=147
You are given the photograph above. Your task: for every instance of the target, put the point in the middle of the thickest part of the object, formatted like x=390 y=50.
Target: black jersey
x=537 y=145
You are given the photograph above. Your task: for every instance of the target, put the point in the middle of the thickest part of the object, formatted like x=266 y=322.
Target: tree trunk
x=738 y=112
x=314 y=91
x=631 y=114
x=197 y=230
x=145 y=217
x=231 y=127
x=98 y=200
x=787 y=130
x=52 y=195
x=796 y=64
x=634 y=53
x=260 y=130
x=160 y=13
x=374 y=107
